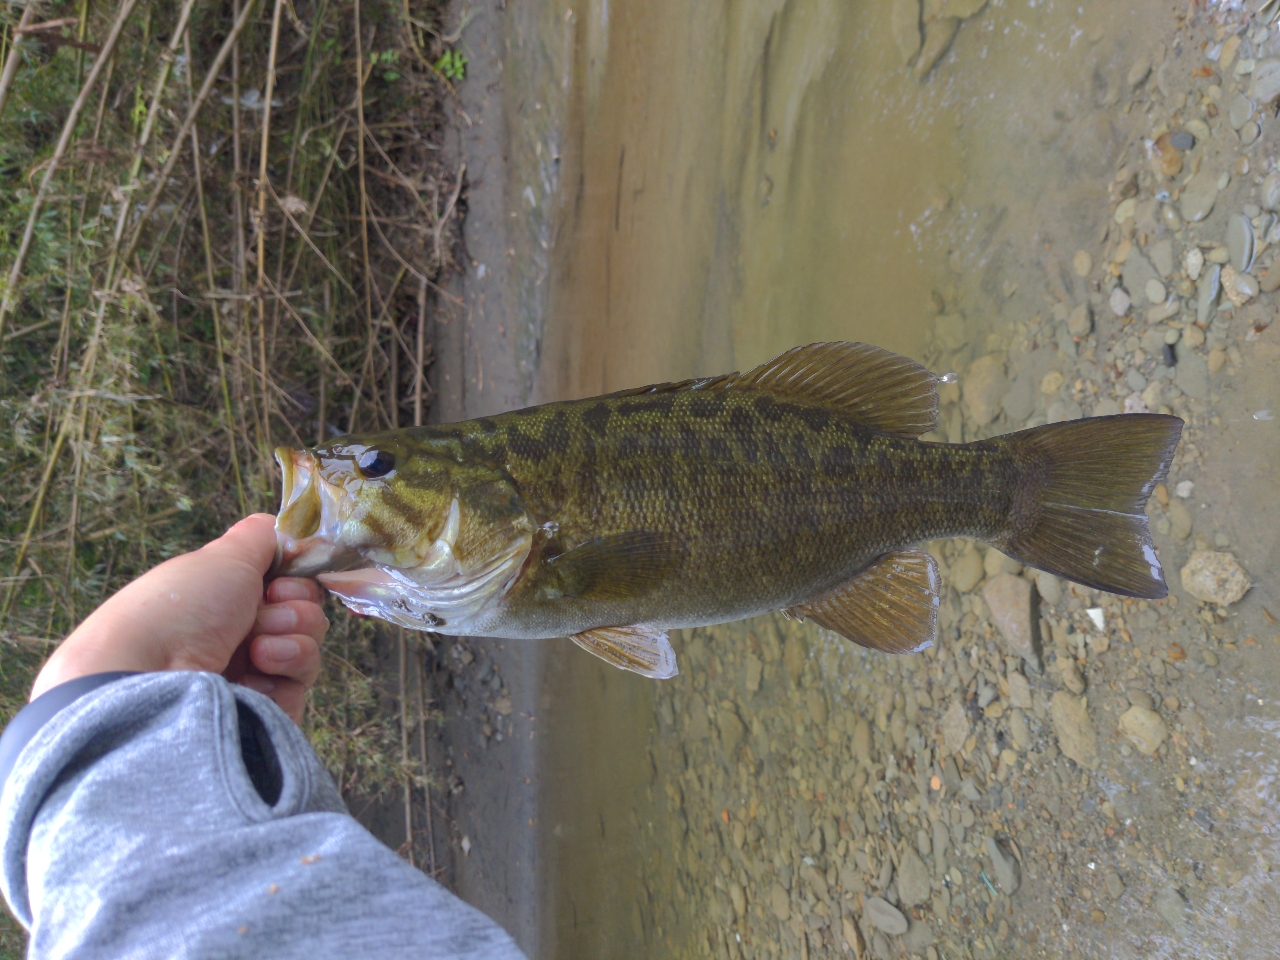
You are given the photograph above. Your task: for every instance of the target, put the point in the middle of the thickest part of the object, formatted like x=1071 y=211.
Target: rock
x=1179 y=520
x=1250 y=132
x=1049 y=586
x=1138 y=272
x=984 y=385
x=1247 y=287
x=1270 y=191
x=731 y=730
x=1119 y=301
x=937 y=38
x=1155 y=291
x=904 y=23
x=851 y=936
x=1239 y=111
x=793 y=657
x=1125 y=210
x=1077 y=738
x=1266 y=81
x=996 y=562
x=884 y=916
x=1009 y=598
x=862 y=741
x=1139 y=72
x=1019 y=691
x=1144 y=728
x=1240 y=242
x=1080 y=321
x=1018 y=722
x=780 y=903
x=1193 y=336
x=1019 y=402
x=1182 y=140
x=1217 y=357
x=1004 y=867
x=1171 y=907
x=1193 y=262
x=1161 y=255
x=1111 y=880
x=967 y=571
x=1214 y=577
x=1136 y=381
x=1052 y=382
x=1107 y=407
x=1193 y=374
x=1069 y=670
x=1082 y=263
x=955 y=727
x=1270 y=281
x=913 y=879
x=1199 y=196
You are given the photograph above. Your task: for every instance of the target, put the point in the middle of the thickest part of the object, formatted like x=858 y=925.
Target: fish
x=801 y=485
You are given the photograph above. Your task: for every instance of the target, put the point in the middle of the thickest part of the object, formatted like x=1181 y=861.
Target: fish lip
x=303 y=548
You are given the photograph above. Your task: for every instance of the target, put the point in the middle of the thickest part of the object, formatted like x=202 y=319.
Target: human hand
x=207 y=610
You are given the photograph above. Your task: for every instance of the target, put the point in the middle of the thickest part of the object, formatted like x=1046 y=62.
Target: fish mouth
x=304 y=548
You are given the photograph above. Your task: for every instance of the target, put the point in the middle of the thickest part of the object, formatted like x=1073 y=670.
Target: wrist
x=89 y=651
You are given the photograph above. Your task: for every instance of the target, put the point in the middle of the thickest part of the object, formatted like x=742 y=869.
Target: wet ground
x=1071 y=210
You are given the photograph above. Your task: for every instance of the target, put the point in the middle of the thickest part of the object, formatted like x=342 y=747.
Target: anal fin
x=640 y=649
x=891 y=606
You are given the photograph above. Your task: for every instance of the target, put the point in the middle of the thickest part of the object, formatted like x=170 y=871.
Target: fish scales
x=766 y=498
x=798 y=485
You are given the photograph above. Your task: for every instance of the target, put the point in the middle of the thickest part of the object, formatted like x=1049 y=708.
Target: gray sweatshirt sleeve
x=131 y=826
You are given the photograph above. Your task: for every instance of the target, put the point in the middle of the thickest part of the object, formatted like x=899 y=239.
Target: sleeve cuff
x=29 y=720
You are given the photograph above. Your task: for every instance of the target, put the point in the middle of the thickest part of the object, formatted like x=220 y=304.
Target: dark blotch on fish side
x=1170 y=358
x=597 y=419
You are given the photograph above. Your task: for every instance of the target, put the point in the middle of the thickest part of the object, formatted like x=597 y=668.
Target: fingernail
x=292 y=590
x=279 y=619
x=279 y=649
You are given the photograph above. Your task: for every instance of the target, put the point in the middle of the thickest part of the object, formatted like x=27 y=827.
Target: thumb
x=252 y=541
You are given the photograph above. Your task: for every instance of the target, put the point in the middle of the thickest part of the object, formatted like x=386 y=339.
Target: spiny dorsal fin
x=622 y=566
x=879 y=389
x=640 y=649
x=890 y=606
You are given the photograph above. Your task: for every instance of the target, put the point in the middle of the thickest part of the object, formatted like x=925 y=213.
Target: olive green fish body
x=799 y=485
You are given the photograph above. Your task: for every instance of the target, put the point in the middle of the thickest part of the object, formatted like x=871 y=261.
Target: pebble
x=1199 y=196
x=1193 y=336
x=1139 y=72
x=1009 y=598
x=1207 y=293
x=1049 y=587
x=1240 y=242
x=913 y=879
x=1004 y=866
x=883 y=916
x=1145 y=729
x=1125 y=210
x=1214 y=577
x=1172 y=907
x=1249 y=133
x=1266 y=81
x=1270 y=281
x=995 y=562
x=1247 y=287
x=1080 y=320
x=1179 y=520
x=1052 y=382
x=1111 y=880
x=1019 y=691
x=968 y=570
x=1161 y=254
x=1082 y=263
x=1119 y=301
x=1140 y=698
x=955 y=727
x=1270 y=191
x=1069 y=671
x=1155 y=291
x=1182 y=140
x=1239 y=110
x=984 y=385
x=1076 y=735
x=1217 y=357
x=1192 y=262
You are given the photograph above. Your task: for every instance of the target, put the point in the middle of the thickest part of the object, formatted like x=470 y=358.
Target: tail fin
x=1084 y=484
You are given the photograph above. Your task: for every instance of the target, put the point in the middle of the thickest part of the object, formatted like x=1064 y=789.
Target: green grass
x=149 y=365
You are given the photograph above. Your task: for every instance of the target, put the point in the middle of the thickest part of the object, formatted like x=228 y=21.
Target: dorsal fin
x=879 y=389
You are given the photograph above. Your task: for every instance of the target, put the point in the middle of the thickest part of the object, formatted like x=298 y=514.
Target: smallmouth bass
x=800 y=485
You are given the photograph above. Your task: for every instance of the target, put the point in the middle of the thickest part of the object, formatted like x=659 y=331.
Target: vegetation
x=221 y=226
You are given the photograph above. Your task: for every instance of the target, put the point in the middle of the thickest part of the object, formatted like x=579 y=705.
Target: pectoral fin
x=890 y=606
x=640 y=649
x=623 y=566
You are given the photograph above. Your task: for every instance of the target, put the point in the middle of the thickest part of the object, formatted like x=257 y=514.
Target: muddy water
x=732 y=180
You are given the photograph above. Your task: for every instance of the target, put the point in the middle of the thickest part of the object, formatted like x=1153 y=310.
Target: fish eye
x=375 y=463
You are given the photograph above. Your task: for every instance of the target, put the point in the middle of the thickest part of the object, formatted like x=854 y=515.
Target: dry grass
x=221 y=227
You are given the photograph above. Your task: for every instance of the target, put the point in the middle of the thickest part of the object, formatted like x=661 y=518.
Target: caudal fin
x=1080 y=508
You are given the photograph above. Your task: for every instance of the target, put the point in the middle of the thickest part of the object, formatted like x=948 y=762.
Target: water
x=722 y=182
